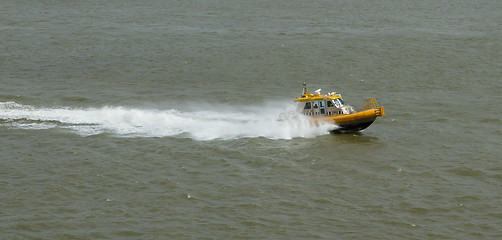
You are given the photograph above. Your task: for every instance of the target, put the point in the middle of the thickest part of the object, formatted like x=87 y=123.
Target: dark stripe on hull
x=354 y=126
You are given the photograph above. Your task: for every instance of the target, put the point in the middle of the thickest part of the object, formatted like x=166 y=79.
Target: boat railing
x=370 y=103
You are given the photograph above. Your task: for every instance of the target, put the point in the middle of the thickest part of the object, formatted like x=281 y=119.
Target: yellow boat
x=331 y=108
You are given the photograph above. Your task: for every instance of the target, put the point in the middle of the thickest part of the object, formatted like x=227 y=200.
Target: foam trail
x=246 y=122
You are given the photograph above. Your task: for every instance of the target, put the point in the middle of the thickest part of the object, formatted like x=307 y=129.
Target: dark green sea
x=158 y=119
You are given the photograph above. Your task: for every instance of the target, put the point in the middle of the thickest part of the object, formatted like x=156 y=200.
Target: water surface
x=157 y=120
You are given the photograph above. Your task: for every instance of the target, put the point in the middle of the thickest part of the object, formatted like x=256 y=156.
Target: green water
x=157 y=120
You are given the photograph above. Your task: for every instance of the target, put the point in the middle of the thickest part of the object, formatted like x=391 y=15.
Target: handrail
x=370 y=103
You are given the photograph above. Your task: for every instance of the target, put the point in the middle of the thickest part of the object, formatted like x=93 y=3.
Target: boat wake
x=214 y=122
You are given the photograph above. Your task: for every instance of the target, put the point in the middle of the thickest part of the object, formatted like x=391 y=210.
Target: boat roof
x=317 y=96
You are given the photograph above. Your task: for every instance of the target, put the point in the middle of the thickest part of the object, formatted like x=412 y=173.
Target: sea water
x=159 y=120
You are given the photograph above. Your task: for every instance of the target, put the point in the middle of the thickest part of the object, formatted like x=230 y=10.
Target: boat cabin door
x=320 y=107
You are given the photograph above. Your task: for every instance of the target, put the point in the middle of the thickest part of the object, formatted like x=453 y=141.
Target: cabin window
x=330 y=103
x=321 y=104
x=338 y=102
x=308 y=105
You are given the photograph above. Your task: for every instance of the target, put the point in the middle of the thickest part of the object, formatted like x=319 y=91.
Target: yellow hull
x=352 y=122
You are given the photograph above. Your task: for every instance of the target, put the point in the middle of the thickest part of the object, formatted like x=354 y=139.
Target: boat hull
x=355 y=121
x=354 y=126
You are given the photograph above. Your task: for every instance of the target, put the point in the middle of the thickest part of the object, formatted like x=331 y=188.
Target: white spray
x=219 y=123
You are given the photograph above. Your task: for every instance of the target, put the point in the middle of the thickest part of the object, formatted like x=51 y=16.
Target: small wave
x=491 y=120
x=208 y=124
x=467 y=171
x=12 y=97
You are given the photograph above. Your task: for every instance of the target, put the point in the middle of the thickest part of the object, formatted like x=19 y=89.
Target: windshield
x=338 y=102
